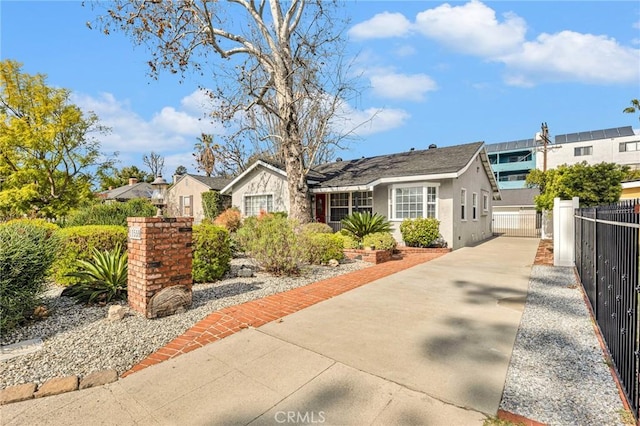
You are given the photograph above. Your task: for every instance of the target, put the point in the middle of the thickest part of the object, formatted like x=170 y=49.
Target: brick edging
x=255 y=313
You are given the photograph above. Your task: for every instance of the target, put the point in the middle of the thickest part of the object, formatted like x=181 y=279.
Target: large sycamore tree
x=47 y=148
x=265 y=61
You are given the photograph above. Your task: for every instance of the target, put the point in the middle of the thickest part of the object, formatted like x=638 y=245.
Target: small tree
x=593 y=184
x=180 y=170
x=204 y=154
x=155 y=163
x=211 y=204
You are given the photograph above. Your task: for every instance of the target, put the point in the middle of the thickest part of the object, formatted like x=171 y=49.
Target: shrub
x=102 y=279
x=40 y=223
x=271 y=240
x=211 y=204
x=420 y=232
x=359 y=224
x=113 y=213
x=27 y=249
x=230 y=219
x=319 y=248
x=348 y=241
x=317 y=228
x=78 y=243
x=211 y=252
x=380 y=241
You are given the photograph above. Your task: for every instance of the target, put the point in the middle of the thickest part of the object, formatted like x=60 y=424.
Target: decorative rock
x=168 y=301
x=245 y=272
x=57 y=385
x=98 y=378
x=116 y=312
x=17 y=393
x=333 y=263
x=21 y=348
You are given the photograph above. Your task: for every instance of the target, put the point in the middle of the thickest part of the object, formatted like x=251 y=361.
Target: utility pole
x=543 y=136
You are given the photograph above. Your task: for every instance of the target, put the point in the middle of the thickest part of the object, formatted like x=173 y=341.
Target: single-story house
x=453 y=184
x=132 y=190
x=184 y=197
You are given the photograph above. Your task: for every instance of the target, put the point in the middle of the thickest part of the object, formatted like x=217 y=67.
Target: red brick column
x=159 y=254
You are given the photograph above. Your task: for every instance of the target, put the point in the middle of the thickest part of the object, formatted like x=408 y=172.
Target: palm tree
x=635 y=107
x=205 y=157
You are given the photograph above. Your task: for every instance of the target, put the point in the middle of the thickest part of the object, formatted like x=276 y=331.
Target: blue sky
x=443 y=73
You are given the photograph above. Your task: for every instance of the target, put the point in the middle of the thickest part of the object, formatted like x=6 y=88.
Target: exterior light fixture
x=159 y=194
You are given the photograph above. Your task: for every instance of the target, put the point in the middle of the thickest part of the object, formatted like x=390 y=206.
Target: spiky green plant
x=359 y=224
x=101 y=280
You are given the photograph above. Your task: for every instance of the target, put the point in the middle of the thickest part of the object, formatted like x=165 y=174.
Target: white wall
x=607 y=150
x=261 y=181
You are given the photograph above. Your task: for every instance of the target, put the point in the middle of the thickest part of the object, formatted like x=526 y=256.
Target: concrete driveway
x=428 y=345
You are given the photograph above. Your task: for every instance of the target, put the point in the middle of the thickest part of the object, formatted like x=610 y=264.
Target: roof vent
x=433 y=145
x=412 y=149
x=338 y=159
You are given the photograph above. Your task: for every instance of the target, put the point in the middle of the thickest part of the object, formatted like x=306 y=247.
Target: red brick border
x=255 y=313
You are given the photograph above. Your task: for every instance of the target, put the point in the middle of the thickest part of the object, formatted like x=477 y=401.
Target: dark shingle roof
x=212 y=182
x=517 y=197
x=128 y=192
x=412 y=163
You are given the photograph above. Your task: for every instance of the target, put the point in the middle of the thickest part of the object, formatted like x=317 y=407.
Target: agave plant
x=358 y=224
x=101 y=280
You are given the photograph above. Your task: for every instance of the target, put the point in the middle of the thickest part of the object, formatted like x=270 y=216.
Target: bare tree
x=281 y=57
x=155 y=163
x=205 y=156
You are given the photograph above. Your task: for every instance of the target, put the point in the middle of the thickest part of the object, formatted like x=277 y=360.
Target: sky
x=432 y=73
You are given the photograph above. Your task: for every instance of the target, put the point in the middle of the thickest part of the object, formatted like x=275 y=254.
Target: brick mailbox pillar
x=159 y=279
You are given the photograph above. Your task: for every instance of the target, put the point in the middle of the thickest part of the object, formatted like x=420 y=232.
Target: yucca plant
x=101 y=280
x=359 y=224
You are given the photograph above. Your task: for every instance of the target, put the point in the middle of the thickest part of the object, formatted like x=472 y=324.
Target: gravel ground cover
x=79 y=340
x=558 y=373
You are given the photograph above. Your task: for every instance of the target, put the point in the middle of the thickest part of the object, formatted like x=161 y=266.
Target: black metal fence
x=607 y=262
x=525 y=223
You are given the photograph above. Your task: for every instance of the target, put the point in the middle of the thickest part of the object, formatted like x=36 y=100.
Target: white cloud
x=406 y=50
x=412 y=87
x=368 y=122
x=382 y=25
x=571 y=56
x=472 y=28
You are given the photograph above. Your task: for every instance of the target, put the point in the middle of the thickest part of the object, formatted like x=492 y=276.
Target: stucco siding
x=184 y=188
x=607 y=150
x=262 y=182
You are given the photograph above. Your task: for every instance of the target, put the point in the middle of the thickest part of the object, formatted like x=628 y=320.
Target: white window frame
x=350 y=206
x=474 y=205
x=265 y=194
x=485 y=202
x=425 y=203
x=463 y=204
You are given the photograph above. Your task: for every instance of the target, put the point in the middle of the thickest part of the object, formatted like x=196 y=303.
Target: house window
x=474 y=206
x=254 y=204
x=463 y=204
x=413 y=202
x=338 y=206
x=186 y=205
x=582 y=150
x=362 y=201
x=485 y=203
x=629 y=146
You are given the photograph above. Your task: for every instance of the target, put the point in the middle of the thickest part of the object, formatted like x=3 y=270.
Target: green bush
x=27 y=249
x=420 y=232
x=78 y=243
x=380 y=241
x=211 y=204
x=319 y=248
x=272 y=241
x=40 y=223
x=348 y=241
x=112 y=213
x=317 y=228
x=359 y=224
x=102 y=279
x=211 y=252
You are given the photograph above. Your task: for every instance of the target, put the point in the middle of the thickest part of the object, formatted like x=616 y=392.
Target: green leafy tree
x=180 y=170
x=635 y=107
x=47 y=151
x=114 y=178
x=593 y=184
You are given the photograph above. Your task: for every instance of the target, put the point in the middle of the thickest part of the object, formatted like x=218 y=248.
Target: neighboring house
x=184 y=197
x=133 y=190
x=630 y=190
x=453 y=184
x=512 y=162
x=515 y=213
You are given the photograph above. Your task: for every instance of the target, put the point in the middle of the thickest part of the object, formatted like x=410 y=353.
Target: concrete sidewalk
x=428 y=345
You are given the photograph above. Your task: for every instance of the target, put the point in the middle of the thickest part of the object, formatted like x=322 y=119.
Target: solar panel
x=584 y=136
x=597 y=134
x=572 y=137
x=561 y=138
x=611 y=133
x=626 y=131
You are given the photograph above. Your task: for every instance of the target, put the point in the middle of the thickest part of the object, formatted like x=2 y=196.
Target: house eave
x=249 y=170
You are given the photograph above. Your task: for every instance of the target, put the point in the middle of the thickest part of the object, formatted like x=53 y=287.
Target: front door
x=321 y=204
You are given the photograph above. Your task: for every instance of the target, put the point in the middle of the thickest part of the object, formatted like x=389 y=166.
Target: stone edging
x=56 y=386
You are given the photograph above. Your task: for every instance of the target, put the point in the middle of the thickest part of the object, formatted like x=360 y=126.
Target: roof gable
x=137 y=190
x=212 y=182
